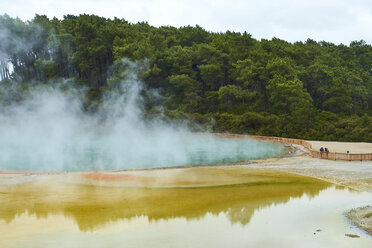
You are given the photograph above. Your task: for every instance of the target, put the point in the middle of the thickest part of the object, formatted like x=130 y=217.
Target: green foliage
x=224 y=81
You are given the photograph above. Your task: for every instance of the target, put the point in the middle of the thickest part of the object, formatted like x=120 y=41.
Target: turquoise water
x=88 y=151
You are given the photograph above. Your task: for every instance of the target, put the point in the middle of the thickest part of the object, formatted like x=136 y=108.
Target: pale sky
x=337 y=21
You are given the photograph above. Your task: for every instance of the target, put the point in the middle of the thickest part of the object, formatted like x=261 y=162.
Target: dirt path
x=343 y=147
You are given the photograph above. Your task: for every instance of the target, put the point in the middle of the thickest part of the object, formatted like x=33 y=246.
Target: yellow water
x=281 y=210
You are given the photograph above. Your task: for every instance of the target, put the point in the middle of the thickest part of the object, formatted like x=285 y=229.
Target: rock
x=352 y=235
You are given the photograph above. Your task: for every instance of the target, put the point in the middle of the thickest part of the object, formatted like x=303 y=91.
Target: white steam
x=49 y=131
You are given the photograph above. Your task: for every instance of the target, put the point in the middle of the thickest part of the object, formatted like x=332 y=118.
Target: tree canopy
x=310 y=90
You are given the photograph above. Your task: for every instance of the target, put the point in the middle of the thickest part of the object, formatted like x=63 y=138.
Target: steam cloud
x=48 y=130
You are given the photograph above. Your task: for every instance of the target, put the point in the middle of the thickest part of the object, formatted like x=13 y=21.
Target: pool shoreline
x=353 y=175
x=362 y=218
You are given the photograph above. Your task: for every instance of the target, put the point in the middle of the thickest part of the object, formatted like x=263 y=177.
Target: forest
x=221 y=82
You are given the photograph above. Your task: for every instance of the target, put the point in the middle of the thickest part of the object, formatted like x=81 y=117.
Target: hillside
x=224 y=82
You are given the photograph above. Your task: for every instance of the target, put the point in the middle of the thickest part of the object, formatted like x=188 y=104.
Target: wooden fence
x=306 y=144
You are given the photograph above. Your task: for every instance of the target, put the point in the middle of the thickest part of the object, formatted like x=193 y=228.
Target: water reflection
x=92 y=207
x=281 y=212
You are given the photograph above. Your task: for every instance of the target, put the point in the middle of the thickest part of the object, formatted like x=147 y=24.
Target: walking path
x=343 y=147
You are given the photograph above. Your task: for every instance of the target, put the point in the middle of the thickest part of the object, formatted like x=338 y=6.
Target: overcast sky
x=337 y=21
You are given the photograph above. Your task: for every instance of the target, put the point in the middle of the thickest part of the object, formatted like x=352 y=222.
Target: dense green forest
x=229 y=82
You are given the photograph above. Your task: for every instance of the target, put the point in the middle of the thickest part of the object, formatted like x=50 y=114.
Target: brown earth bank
x=362 y=217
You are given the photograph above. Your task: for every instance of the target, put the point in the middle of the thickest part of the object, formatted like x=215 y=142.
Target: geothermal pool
x=48 y=130
x=90 y=150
